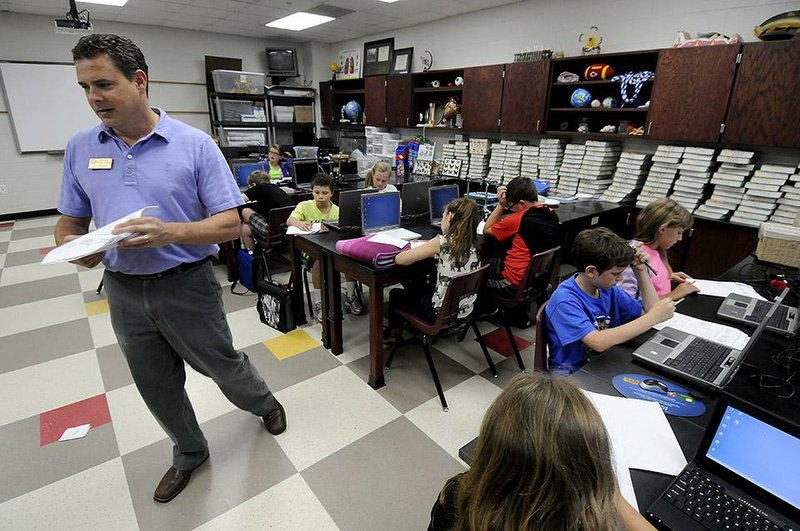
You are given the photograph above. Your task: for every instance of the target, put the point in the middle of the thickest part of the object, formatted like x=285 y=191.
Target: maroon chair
x=540 y=358
x=460 y=286
x=276 y=234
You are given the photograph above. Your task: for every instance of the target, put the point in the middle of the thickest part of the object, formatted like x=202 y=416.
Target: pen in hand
x=649 y=267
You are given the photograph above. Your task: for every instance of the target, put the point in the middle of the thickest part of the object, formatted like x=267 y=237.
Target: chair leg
x=394 y=350
x=463 y=333
x=426 y=346
x=514 y=346
x=479 y=338
x=266 y=267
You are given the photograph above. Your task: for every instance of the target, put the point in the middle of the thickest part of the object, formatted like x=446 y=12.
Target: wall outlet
x=3 y=189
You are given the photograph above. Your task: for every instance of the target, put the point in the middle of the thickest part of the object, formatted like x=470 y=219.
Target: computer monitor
x=303 y=170
x=380 y=211
x=281 y=62
x=438 y=197
x=415 y=198
x=243 y=168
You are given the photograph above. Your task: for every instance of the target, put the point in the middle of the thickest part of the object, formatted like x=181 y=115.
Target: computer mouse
x=651 y=384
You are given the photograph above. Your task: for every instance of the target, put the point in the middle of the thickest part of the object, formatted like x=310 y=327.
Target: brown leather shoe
x=173 y=482
x=275 y=420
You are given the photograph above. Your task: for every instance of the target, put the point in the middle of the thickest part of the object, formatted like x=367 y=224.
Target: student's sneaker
x=318 y=311
x=353 y=304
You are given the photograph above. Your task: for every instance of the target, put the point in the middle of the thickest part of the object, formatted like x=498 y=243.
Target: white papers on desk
x=315 y=228
x=401 y=233
x=97 y=241
x=641 y=438
x=382 y=237
x=723 y=289
x=725 y=335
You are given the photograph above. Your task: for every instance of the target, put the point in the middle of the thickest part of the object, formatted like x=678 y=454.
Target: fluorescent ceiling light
x=299 y=21
x=118 y=3
x=388 y=1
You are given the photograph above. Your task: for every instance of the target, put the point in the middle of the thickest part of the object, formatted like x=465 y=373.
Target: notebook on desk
x=380 y=211
x=349 y=211
x=705 y=363
x=744 y=475
x=438 y=197
x=750 y=311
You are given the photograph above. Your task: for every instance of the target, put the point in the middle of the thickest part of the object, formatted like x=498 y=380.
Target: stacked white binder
x=728 y=182
x=666 y=162
x=530 y=161
x=478 y=158
x=570 y=169
x=551 y=154
x=761 y=195
x=628 y=177
x=693 y=175
x=597 y=167
x=789 y=204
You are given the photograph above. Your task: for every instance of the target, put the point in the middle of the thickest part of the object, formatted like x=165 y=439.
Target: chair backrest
x=460 y=286
x=540 y=347
x=277 y=226
x=540 y=274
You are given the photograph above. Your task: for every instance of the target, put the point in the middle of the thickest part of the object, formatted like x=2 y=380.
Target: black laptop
x=414 y=199
x=745 y=475
x=349 y=211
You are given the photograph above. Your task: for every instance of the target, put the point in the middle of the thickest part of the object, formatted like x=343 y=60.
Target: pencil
x=651 y=269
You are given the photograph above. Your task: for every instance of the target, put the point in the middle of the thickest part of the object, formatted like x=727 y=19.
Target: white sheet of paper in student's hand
x=97 y=241
x=315 y=228
x=76 y=432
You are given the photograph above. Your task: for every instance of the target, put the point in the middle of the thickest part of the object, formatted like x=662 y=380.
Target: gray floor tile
x=3 y=248
x=245 y=460
x=26 y=466
x=507 y=370
x=22 y=234
x=234 y=303
x=386 y=480
x=31 y=256
x=37 y=290
x=113 y=367
x=281 y=374
x=30 y=348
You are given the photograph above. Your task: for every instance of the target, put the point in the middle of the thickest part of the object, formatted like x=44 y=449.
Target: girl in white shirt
x=378 y=178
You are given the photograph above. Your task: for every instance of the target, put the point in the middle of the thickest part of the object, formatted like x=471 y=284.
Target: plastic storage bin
x=365 y=163
x=239 y=111
x=235 y=82
x=304 y=114
x=241 y=136
x=305 y=152
x=283 y=114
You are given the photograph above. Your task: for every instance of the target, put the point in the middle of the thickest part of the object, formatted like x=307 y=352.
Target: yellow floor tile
x=290 y=344
x=96 y=307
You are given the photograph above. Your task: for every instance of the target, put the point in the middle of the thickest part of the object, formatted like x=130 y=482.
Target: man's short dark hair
x=521 y=189
x=322 y=179
x=127 y=57
x=601 y=248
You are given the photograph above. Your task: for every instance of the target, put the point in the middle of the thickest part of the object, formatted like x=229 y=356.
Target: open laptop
x=750 y=311
x=705 y=363
x=744 y=475
x=414 y=196
x=303 y=170
x=380 y=211
x=349 y=211
x=438 y=197
x=243 y=168
x=348 y=172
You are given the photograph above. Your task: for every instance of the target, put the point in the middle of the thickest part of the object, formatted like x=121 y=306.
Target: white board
x=45 y=104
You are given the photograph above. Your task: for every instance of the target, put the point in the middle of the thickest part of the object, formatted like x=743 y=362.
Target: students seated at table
x=378 y=178
x=660 y=226
x=277 y=170
x=530 y=229
x=255 y=218
x=588 y=314
x=322 y=208
x=543 y=462
x=455 y=251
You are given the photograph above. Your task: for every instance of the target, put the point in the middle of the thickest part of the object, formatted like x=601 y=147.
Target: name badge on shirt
x=100 y=164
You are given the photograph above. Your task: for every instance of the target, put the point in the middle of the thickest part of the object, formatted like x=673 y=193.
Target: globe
x=351 y=110
x=581 y=98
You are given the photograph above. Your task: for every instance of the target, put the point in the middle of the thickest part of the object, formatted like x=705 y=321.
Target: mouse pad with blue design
x=674 y=399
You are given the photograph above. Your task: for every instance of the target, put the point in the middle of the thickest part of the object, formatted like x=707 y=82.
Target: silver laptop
x=438 y=197
x=380 y=211
x=750 y=311
x=744 y=475
x=705 y=363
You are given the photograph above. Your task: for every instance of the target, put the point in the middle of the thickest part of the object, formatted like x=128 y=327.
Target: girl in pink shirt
x=660 y=226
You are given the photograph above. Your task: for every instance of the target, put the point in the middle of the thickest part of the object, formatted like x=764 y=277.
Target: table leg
x=334 y=317
x=324 y=294
x=298 y=306
x=376 y=336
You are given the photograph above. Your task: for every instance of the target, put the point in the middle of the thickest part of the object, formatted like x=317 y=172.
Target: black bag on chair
x=274 y=305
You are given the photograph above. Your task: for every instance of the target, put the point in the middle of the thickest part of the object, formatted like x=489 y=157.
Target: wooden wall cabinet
x=712 y=247
x=691 y=92
x=399 y=94
x=483 y=95
x=326 y=102
x=375 y=101
x=524 y=97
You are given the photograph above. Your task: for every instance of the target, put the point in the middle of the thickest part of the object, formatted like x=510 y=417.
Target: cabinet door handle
x=537 y=125
x=407 y=119
x=649 y=126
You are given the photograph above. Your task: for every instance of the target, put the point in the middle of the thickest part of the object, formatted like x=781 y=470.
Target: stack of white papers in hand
x=97 y=241
x=641 y=438
x=718 y=333
x=315 y=228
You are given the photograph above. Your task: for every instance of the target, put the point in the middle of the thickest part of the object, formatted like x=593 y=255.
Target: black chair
x=460 y=286
x=276 y=234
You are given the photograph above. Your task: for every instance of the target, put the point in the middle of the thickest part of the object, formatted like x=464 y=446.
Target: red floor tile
x=92 y=411
x=6 y=225
x=44 y=250
x=497 y=340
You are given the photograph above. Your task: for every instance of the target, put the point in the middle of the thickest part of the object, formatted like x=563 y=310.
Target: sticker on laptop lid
x=673 y=399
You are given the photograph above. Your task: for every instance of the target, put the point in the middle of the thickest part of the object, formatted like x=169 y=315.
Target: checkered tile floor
x=352 y=457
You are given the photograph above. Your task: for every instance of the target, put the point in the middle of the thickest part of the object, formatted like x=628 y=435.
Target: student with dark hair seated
x=256 y=216
x=588 y=314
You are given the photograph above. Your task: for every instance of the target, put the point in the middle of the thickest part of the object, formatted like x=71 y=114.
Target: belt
x=180 y=268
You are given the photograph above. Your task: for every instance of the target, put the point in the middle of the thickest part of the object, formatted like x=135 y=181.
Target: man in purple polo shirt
x=166 y=306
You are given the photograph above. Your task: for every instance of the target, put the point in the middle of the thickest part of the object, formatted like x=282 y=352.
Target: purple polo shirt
x=176 y=167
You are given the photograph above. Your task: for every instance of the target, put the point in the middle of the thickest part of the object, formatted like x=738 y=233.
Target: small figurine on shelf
x=608 y=129
x=351 y=112
x=591 y=41
x=335 y=69
x=451 y=109
x=583 y=125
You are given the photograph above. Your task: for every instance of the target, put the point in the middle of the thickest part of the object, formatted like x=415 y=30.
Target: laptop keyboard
x=760 y=311
x=706 y=502
x=701 y=359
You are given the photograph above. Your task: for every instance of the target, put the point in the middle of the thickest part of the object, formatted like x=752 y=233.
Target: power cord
x=779 y=386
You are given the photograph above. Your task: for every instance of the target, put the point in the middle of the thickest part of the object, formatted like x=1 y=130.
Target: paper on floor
x=722 y=334
x=76 y=432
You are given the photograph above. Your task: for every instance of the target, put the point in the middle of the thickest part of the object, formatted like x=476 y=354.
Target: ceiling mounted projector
x=74 y=22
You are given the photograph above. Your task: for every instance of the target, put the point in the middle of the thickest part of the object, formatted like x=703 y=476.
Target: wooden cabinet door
x=764 y=109
x=483 y=92
x=691 y=92
x=375 y=100
x=524 y=97
x=714 y=247
x=326 y=103
x=399 y=93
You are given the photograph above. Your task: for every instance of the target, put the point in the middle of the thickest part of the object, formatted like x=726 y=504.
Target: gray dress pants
x=160 y=323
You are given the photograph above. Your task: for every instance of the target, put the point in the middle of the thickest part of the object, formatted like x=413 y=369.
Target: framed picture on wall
x=401 y=61
x=378 y=57
x=350 y=64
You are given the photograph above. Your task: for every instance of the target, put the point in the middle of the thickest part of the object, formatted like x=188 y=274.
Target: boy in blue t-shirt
x=588 y=314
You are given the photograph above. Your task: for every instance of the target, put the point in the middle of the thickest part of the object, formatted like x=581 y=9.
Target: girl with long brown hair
x=543 y=462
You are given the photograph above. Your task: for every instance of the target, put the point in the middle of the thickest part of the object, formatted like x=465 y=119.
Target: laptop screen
x=759 y=453
x=303 y=170
x=380 y=210
x=439 y=197
x=243 y=169
x=415 y=198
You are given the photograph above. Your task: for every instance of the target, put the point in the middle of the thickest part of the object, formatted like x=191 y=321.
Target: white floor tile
x=96 y=498
x=468 y=353
x=102 y=331
x=27 y=244
x=5 y=236
x=41 y=313
x=35 y=223
x=453 y=429
x=35 y=271
x=289 y=505
x=355 y=338
x=90 y=278
x=328 y=412
x=33 y=390
x=247 y=329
